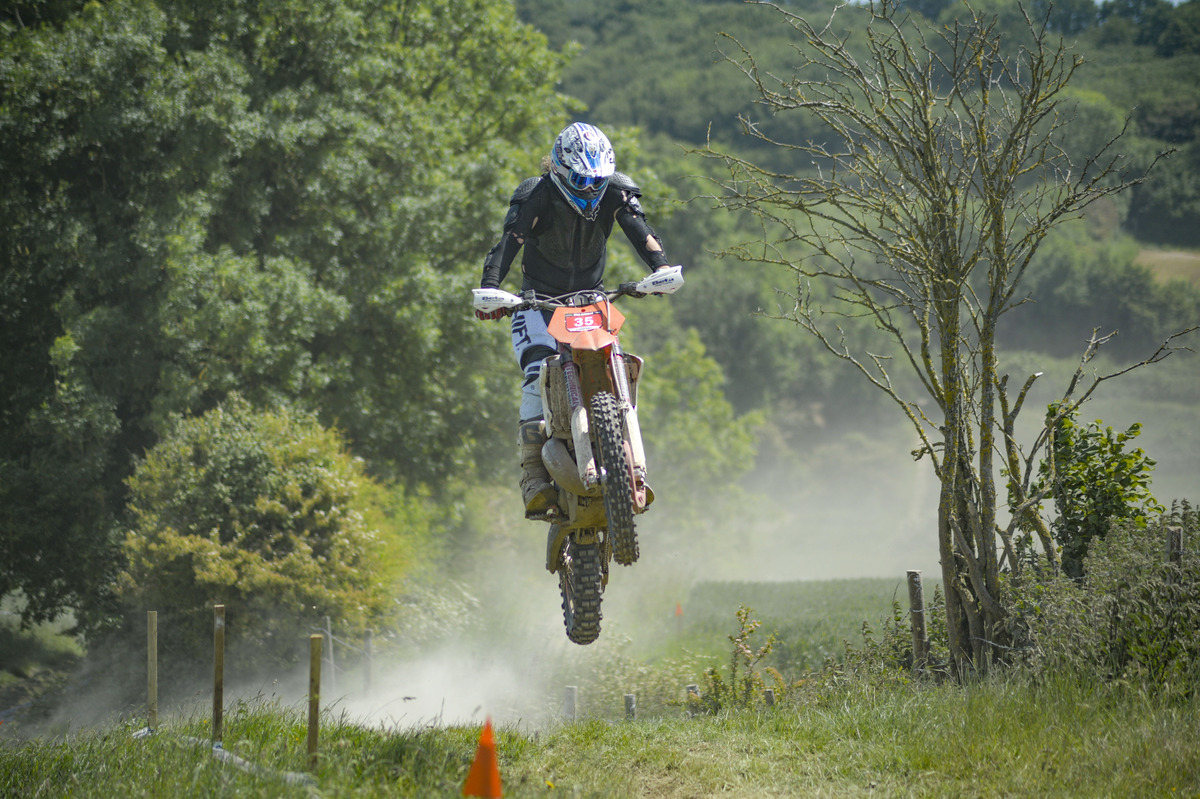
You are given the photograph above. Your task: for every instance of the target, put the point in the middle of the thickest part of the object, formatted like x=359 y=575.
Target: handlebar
x=664 y=281
x=543 y=302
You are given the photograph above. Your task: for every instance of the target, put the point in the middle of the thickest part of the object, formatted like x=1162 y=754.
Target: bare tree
x=941 y=175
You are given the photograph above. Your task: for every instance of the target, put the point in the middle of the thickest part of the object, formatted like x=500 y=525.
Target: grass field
x=811 y=620
x=1168 y=265
x=836 y=736
x=1001 y=738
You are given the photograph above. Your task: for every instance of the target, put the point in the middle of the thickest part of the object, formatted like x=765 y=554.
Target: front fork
x=589 y=474
x=625 y=398
x=580 y=432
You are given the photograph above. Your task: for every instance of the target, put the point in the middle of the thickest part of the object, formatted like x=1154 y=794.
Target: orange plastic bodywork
x=588 y=327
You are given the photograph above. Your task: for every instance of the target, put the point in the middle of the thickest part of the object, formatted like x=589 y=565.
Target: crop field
x=1168 y=265
x=811 y=620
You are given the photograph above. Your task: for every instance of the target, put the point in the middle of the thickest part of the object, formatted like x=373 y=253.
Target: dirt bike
x=594 y=451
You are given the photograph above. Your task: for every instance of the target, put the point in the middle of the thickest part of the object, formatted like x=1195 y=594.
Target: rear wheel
x=580 y=580
x=617 y=462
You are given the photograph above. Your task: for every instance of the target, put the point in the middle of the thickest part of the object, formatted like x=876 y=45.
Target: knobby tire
x=618 y=485
x=580 y=580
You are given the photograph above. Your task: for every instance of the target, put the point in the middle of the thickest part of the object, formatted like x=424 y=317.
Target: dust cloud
x=854 y=507
x=514 y=661
x=859 y=506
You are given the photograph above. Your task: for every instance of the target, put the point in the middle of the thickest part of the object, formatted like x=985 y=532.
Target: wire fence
x=330 y=661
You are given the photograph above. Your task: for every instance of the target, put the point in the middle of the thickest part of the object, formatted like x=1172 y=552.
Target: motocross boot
x=536 y=489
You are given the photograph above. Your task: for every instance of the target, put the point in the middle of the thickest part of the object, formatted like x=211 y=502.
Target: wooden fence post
x=916 y=604
x=570 y=697
x=218 y=717
x=368 y=658
x=1175 y=545
x=693 y=699
x=314 y=697
x=152 y=669
x=332 y=665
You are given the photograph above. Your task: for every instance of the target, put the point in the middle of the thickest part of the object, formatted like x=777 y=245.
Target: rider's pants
x=532 y=344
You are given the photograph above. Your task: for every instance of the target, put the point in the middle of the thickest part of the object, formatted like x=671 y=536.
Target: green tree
x=1069 y=17
x=57 y=512
x=1166 y=209
x=288 y=199
x=930 y=9
x=1182 y=32
x=1079 y=283
x=263 y=512
x=923 y=215
x=1094 y=482
x=696 y=443
x=1150 y=16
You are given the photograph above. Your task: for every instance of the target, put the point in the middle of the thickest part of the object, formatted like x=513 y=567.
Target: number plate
x=583 y=322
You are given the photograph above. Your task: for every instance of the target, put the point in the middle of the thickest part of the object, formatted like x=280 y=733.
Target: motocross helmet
x=581 y=163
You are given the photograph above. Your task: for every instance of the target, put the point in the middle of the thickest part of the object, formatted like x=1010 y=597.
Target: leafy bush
x=261 y=512
x=745 y=684
x=1134 y=619
x=886 y=656
x=1094 y=482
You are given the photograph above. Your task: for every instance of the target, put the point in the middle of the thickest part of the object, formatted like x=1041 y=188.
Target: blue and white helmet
x=581 y=163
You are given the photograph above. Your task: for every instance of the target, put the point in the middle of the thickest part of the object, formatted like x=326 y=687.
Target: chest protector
x=566 y=252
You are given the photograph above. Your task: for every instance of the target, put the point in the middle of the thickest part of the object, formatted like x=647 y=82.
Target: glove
x=499 y=313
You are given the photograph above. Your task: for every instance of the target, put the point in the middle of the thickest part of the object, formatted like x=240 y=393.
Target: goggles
x=585 y=183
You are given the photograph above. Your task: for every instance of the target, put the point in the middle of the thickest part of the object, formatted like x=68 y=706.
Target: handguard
x=664 y=281
x=489 y=300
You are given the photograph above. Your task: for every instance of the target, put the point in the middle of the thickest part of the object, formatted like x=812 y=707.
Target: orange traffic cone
x=483 y=780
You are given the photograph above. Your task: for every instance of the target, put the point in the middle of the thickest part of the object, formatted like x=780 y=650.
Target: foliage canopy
x=1095 y=483
x=944 y=173
x=286 y=200
x=262 y=512
x=278 y=199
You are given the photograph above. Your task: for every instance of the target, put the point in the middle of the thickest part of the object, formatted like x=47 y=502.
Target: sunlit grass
x=1003 y=737
x=856 y=735
x=1169 y=265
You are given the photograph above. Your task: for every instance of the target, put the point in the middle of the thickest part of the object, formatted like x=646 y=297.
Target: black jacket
x=565 y=252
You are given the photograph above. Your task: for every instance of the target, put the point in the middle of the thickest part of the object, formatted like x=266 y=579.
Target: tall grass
x=1003 y=737
x=843 y=732
x=812 y=621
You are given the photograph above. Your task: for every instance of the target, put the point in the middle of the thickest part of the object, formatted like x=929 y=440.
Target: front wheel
x=581 y=582
x=617 y=461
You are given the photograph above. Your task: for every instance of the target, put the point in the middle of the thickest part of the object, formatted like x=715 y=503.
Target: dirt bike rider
x=563 y=219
